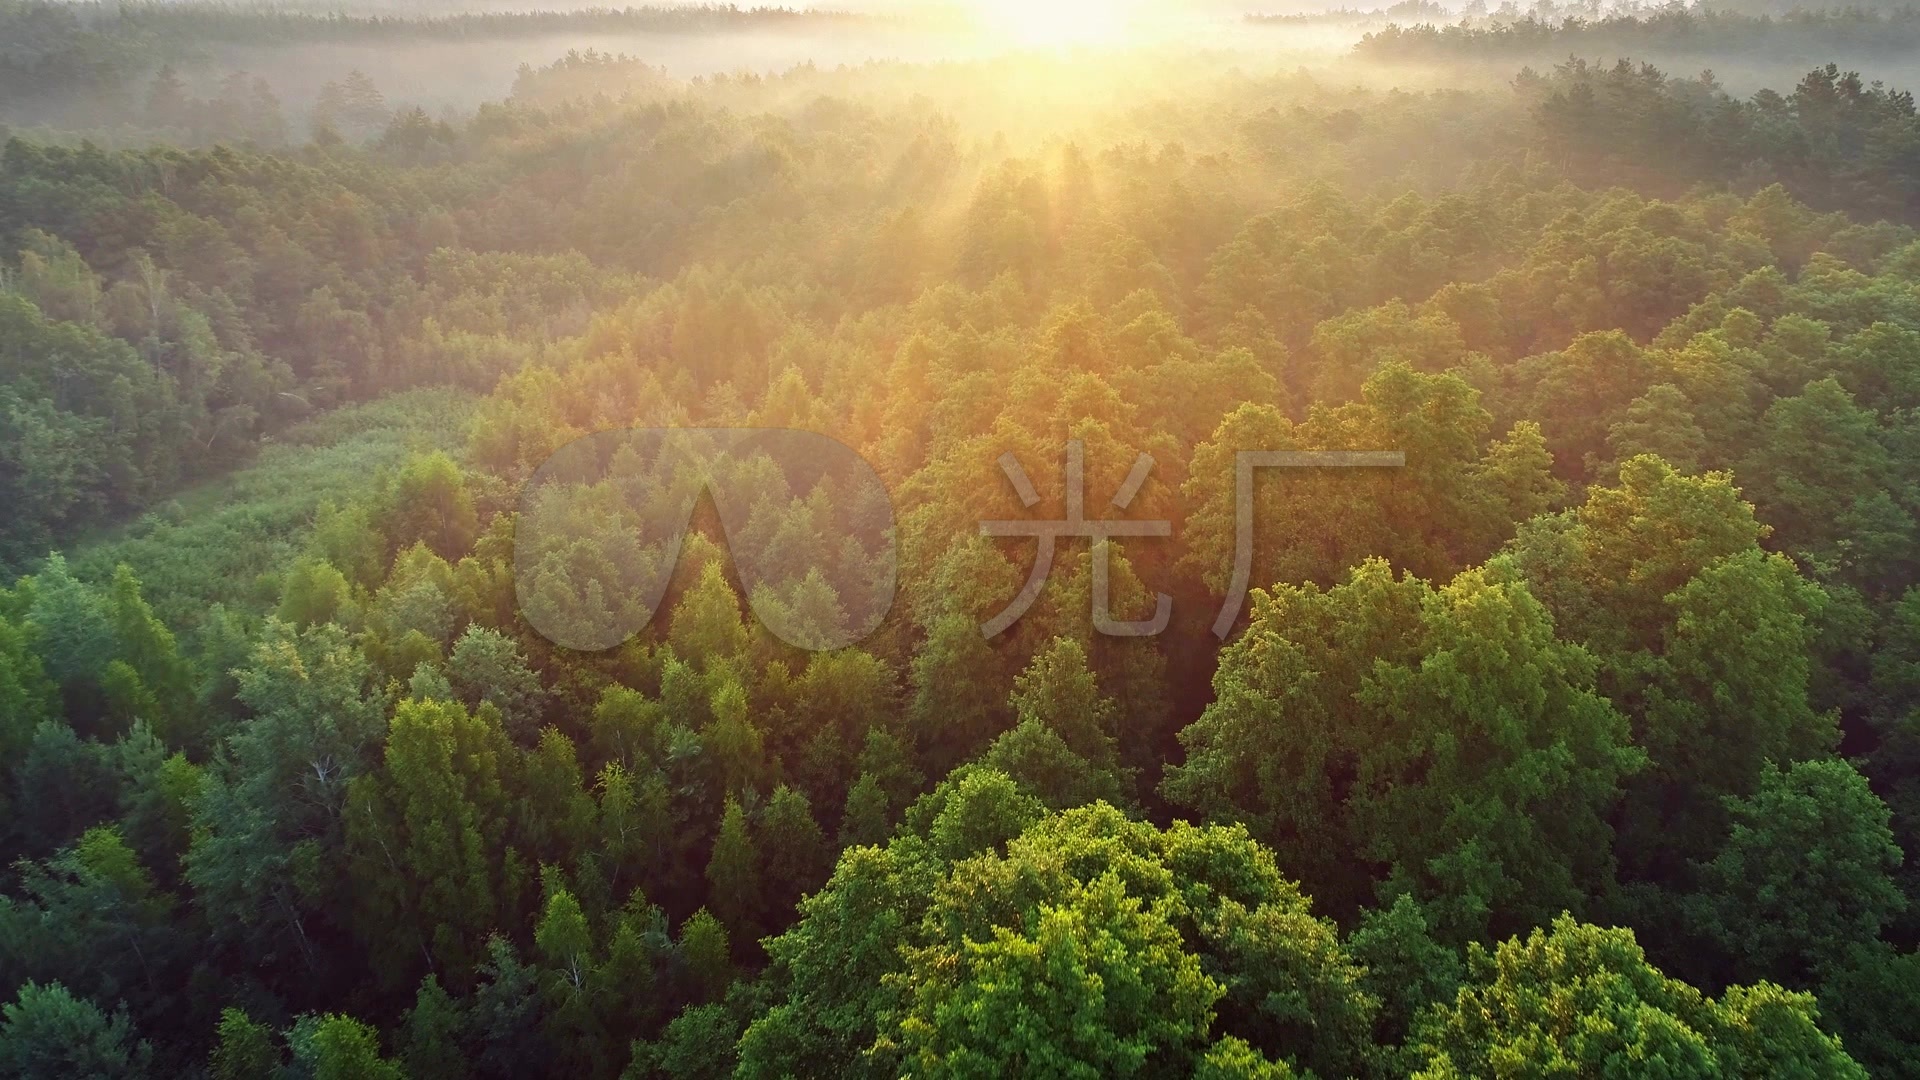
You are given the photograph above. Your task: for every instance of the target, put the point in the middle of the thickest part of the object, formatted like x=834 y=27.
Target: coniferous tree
x=734 y=875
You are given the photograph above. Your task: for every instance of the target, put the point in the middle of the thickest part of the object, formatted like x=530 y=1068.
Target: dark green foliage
x=706 y=956
x=1406 y=971
x=503 y=1016
x=488 y=668
x=85 y=428
x=334 y=1047
x=46 y=1031
x=734 y=875
x=430 y=1047
x=796 y=853
x=697 y=1045
x=245 y=1050
x=1451 y=710
x=91 y=919
x=1581 y=1000
x=1871 y=995
x=267 y=860
x=1804 y=879
x=865 y=819
x=1095 y=901
x=295 y=787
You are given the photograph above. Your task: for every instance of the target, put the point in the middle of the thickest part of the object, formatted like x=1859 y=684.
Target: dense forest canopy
x=376 y=702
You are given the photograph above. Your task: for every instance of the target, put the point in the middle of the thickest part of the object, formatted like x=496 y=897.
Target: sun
x=1052 y=23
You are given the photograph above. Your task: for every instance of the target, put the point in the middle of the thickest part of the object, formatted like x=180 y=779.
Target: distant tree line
x=80 y=62
x=1672 y=30
x=1834 y=140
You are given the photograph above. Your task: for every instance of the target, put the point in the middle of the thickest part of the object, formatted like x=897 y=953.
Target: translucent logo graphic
x=1244 y=464
x=1047 y=533
x=808 y=523
x=1076 y=523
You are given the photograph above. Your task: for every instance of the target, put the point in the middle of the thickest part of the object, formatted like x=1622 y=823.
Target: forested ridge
x=1585 y=744
x=1709 y=31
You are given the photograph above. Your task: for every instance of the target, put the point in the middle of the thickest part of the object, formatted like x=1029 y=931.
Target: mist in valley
x=89 y=70
x=449 y=61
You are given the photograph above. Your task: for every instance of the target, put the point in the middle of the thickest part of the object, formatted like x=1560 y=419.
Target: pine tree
x=430 y=1035
x=734 y=875
x=706 y=630
x=46 y=1031
x=865 y=820
x=565 y=945
x=1059 y=691
x=796 y=852
x=246 y=1050
x=167 y=101
x=339 y=1047
x=706 y=954
x=735 y=742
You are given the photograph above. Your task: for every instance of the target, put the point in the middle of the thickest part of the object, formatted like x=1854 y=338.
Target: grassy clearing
x=224 y=542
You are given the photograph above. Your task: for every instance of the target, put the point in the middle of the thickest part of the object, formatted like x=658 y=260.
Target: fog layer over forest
x=91 y=66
